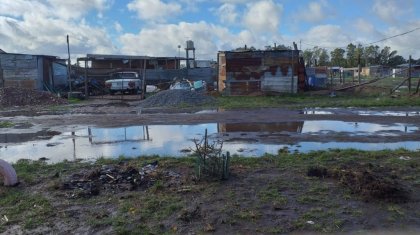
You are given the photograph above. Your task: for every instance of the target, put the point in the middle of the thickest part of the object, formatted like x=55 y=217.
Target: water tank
x=190 y=45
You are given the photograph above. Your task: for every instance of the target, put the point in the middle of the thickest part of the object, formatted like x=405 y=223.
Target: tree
x=360 y=51
x=316 y=57
x=337 y=57
x=386 y=55
x=308 y=57
x=372 y=55
x=396 y=60
x=351 y=55
x=324 y=58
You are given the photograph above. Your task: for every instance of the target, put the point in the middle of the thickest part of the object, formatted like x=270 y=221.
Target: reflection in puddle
x=174 y=140
x=389 y=113
x=316 y=112
x=24 y=137
x=355 y=128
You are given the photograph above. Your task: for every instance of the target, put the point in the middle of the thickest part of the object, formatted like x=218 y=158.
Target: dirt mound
x=22 y=97
x=177 y=98
x=370 y=182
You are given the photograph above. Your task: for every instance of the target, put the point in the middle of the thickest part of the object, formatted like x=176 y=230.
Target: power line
x=401 y=34
x=367 y=44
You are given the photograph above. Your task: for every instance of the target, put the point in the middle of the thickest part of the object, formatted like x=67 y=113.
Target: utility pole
x=300 y=44
x=359 y=67
x=69 y=66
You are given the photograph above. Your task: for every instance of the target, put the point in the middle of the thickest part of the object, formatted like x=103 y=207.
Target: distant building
x=376 y=71
x=253 y=72
x=40 y=72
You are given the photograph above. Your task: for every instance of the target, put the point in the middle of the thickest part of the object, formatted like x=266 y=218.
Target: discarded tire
x=8 y=173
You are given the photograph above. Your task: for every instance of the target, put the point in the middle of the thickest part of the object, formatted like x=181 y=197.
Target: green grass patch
x=308 y=101
x=6 y=124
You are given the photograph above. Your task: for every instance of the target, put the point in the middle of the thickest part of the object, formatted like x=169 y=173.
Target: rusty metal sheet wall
x=246 y=72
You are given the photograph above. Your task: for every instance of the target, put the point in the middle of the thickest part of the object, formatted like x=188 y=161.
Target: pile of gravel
x=11 y=96
x=177 y=98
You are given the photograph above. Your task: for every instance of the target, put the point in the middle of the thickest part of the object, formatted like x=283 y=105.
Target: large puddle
x=177 y=140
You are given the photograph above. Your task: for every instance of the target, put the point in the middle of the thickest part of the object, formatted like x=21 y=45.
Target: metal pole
x=359 y=68
x=69 y=66
x=143 y=92
x=409 y=74
x=86 y=79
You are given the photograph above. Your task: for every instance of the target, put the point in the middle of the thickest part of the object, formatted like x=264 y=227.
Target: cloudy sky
x=157 y=27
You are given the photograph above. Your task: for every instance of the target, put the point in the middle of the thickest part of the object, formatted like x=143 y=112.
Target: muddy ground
x=327 y=192
x=333 y=192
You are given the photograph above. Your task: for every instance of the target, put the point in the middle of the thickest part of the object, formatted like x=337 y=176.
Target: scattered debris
x=115 y=178
x=5 y=219
x=176 y=98
x=10 y=97
x=404 y=158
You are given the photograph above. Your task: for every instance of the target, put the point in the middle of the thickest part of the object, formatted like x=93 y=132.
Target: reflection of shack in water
x=261 y=127
x=99 y=136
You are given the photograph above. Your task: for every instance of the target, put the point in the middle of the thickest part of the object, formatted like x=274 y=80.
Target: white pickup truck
x=124 y=82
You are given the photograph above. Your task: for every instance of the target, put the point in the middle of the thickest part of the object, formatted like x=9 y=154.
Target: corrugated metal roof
x=127 y=57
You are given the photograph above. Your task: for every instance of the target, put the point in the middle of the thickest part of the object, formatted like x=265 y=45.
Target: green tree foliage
x=324 y=58
x=316 y=57
x=351 y=56
x=337 y=57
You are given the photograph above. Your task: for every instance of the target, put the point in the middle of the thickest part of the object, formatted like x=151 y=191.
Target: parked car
x=124 y=82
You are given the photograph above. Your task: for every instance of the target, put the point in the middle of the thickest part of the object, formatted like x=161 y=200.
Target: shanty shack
x=39 y=72
x=253 y=72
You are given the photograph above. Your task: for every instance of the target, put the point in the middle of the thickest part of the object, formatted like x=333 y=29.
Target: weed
x=6 y=124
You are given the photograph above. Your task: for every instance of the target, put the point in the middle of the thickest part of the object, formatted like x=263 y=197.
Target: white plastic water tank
x=190 y=45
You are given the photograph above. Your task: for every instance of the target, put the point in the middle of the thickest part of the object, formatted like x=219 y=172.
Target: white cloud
x=391 y=11
x=327 y=36
x=314 y=12
x=227 y=13
x=406 y=45
x=364 y=26
x=44 y=31
x=74 y=9
x=118 y=27
x=208 y=39
x=263 y=16
x=154 y=10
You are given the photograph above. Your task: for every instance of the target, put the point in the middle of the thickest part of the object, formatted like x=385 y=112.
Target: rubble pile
x=21 y=97
x=114 y=179
x=177 y=98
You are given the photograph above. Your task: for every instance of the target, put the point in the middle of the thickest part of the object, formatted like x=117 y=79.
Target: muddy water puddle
x=176 y=140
